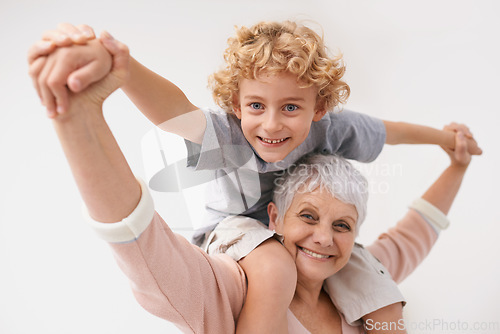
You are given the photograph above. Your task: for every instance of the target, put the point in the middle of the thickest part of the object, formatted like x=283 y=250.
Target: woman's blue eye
x=291 y=107
x=341 y=226
x=256 y=105
x=307 y=216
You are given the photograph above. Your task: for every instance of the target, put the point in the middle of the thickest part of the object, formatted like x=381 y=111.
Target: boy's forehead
x=268 y=78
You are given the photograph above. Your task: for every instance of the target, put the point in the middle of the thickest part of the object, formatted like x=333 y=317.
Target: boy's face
x=276 y=114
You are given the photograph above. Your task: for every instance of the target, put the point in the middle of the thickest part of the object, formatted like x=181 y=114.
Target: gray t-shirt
x=243 y=183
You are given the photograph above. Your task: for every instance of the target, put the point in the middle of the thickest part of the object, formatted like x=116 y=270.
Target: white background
x=427 y=62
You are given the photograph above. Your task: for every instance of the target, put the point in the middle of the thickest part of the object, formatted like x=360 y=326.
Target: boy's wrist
x=133 y=67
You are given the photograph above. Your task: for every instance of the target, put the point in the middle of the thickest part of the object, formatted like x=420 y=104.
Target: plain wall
x=426 y=62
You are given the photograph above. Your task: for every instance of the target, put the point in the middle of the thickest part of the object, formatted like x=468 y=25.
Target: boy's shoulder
x=226 y=126
x=346 y=120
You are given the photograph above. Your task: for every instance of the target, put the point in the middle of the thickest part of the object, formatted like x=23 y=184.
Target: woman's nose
x=323 y=235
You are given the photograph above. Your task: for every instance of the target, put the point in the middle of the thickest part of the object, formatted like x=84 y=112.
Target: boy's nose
x=272 y=122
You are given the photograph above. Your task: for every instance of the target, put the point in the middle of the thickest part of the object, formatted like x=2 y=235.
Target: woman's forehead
x=322 y=199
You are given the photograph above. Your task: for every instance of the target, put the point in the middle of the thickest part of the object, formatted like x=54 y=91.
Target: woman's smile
x=313 y=255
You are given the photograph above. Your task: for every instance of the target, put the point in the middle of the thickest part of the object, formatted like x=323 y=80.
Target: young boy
x=275 y=91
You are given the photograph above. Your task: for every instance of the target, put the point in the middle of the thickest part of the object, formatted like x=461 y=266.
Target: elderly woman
x=317 y=210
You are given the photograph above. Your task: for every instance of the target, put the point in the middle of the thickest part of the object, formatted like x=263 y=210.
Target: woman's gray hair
x=335 y=174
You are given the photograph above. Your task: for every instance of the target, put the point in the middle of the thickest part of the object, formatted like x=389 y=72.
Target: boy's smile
x=276 y=114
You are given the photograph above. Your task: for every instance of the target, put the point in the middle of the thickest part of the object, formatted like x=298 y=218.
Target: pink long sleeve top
x=200 y=293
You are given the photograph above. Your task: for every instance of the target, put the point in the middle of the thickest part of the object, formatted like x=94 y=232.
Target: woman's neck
x=312 y=306
x=308 y=292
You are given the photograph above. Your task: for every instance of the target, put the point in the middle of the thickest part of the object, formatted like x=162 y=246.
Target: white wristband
x=129 y=228
x=435 y=217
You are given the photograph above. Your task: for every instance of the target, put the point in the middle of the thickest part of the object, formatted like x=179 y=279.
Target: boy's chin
x=271 y=158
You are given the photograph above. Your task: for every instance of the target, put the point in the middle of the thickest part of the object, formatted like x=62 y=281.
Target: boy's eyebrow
x=257 y=97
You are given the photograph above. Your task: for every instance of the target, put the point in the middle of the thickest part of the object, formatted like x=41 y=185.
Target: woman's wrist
x=458 y=167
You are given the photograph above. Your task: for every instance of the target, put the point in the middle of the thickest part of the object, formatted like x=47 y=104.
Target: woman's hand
x=460 y=156
x=77 y=69
x=101 y=65
x=65 y=35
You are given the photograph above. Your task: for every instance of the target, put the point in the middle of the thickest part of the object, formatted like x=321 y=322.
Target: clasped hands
x=88 y=71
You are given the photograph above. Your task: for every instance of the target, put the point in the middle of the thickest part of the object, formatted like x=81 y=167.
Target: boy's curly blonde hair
x=274 y=47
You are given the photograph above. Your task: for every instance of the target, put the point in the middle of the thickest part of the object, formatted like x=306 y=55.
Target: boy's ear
x=237 y=112
x=319 y=114
x=272 y=211
x=236 y=106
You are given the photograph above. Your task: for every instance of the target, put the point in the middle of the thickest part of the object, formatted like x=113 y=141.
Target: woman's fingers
x=459 y=127
x=56 y=82
x=59 y=38
x=472 y=146
x=40 y=48
x=75 y=34
x=47 y=97
x=67 y=34
x=34 y=71
x=87 y=31
x=461 y=153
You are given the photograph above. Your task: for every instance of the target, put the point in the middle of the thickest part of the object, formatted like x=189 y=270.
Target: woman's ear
x=272 y=211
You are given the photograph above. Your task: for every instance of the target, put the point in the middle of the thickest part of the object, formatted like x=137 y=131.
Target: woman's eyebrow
x=307 y=203
x=348 y=217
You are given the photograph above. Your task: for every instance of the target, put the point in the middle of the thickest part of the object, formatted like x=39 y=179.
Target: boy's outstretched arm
x=407 y=133
x=159 y=100
x=163 y=103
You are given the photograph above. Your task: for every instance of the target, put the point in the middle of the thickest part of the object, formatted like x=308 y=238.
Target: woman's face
x=319 y=232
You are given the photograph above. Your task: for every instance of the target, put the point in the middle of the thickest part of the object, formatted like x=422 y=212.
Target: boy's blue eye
x=256 y=105
x=291 y=107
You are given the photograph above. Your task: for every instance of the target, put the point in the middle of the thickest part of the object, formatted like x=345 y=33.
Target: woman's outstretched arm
x=104 y=179
x=404 y=246
x=170 y=277
x=443 y=191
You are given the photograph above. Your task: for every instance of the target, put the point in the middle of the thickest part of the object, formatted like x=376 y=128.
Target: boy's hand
x=461 y=155
x=65 y=35
x=472 y=146
x=81 y=61
x=78 y=70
